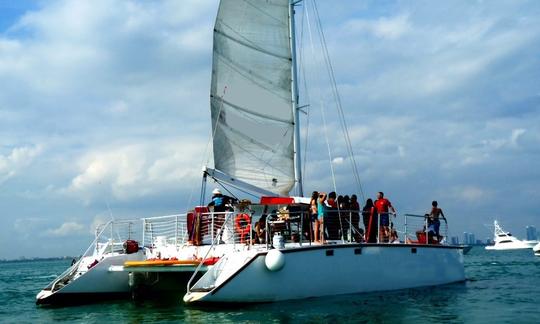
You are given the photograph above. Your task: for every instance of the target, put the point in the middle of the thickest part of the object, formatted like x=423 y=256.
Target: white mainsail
x=251 y=104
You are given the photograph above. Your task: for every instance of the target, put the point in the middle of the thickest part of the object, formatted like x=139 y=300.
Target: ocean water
x=501 y=287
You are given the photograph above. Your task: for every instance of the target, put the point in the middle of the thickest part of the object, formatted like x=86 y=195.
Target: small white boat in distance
x=536 y=249
x=505 y=241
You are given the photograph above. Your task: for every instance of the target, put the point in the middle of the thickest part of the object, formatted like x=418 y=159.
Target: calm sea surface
x=501 y=287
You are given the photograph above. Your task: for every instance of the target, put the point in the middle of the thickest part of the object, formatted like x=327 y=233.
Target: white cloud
x=17 y=160
x=118 y=107
x=471 y=194
x=516 y=134
x=67 y=229
x=392 y=27
x=384 y=27
x=137 y=170
x=338 y=160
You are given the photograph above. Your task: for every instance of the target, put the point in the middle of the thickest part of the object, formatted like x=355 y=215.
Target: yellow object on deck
x=158 y=263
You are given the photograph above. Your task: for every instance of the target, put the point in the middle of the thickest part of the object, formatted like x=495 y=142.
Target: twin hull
x=333 y=270
x=95 y=284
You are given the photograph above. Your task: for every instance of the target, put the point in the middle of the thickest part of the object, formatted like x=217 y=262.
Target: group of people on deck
x=326 y=209
x=334 y=217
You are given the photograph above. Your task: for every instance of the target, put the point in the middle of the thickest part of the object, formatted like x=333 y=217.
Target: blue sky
x=109 y=105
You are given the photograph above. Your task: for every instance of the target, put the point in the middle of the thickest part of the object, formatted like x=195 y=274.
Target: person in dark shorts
x=383 y=207
x=434 y=216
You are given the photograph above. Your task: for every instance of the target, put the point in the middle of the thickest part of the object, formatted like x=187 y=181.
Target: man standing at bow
x=383 y=207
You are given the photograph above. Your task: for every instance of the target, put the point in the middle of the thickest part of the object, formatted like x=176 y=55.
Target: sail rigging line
x=225 y=188
x=313 y=53
x=325 y=128
x=252 y=76
x=250 y=112
x=256 y=157
x=206 y=156
x=331 y=165
x=337 y=98
x=248 y=139
x=262 y=11
x=223 y=185
x=248 y=45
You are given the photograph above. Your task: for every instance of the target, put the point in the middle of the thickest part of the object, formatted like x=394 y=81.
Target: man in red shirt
x=383 y=206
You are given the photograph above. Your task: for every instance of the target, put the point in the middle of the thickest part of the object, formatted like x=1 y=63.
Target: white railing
x=222 y=228
x=109 y=238
x=170 y=229
x=421 y=229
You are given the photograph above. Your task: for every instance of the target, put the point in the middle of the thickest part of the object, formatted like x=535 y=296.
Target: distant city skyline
x=531 y=234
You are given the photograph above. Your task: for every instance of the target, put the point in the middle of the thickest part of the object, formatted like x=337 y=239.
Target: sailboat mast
x=296 y=111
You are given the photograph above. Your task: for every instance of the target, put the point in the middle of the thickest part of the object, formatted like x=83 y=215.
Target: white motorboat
x=256 y=147
x=505 y=241
x=536 y=249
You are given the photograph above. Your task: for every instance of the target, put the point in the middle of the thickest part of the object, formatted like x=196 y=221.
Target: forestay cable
x=337 y=98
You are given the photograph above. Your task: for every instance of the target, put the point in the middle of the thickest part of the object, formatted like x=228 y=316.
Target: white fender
x=274 y=260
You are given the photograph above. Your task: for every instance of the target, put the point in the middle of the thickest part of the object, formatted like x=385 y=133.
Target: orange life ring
x=243 y=230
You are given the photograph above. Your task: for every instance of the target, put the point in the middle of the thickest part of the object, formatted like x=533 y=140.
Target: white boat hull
x=96 y=283
x=105 y=281
x=311 y=272
x=536 y=249
x=531 y=244
x=513 y=246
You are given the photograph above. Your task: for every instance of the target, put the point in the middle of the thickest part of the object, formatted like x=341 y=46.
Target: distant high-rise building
x=468 y=238
x=455 y=240
x=531 y=233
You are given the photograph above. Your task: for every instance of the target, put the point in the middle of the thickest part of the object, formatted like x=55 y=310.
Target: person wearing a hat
x=218 y=201
x=222 y=204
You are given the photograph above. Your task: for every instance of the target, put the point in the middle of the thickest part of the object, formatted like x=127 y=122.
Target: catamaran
x=251 y=251
x=256 y=136
x=505 y=241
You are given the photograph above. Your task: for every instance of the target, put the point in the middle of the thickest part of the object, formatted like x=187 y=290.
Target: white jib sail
x=251 y=103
